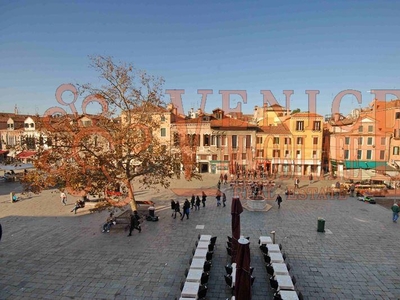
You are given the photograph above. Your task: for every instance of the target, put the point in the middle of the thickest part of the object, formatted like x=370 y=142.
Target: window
x=234 y=141
x=26 y=125
x=11 y=125
x=243 y=155
x=359 y=154
x=298 y=154
x=300 y=125
x=223 y=140
x=369 y=154
x=87 y=123
x=382 y=154
x=315 y=141
x=397 y=115
x=260 y=153
x=346 y=154
x=360 y=140
x=299 y=141
x=370 y=128
x=317 y=126
x=287 y=153
x=162 y=118
x=248 y=141
x=288 y=141
x=214 y=157
x=259 y=140
x=206 y=140
x=276 y=153
x=383 y=141
x=234 y=156
x=369 y=141
x=276 y=140
x=360 y=128
x=396 y=150
x=163 y=132
x=314 y=154
x=347 y=140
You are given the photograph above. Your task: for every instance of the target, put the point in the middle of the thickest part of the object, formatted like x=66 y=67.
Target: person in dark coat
x=186 y=209
x=172 y=207
x=197 y=203
x=135 y=224
x=279 y=200
x=223 y=199
x=203 y=198
x=177 y=209
x=193 y=201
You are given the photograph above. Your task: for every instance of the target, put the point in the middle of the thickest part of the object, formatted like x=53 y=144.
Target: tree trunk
x=131 y=196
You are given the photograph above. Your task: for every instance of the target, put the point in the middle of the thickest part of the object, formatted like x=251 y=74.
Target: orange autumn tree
x=115 y=150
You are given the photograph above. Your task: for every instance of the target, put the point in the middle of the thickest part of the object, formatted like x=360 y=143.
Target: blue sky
x=220 y=45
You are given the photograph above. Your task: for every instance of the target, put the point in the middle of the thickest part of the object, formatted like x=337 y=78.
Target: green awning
x=362 y=164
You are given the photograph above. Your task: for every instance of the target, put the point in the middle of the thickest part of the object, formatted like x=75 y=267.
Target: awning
x=16 y=167
x=361 y=164
x=26 y=154
x=361 y=174
x=3 y=152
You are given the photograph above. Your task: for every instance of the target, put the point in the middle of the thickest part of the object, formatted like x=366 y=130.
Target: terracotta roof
x=229 y=123
x=306 y=115
x=275 y=129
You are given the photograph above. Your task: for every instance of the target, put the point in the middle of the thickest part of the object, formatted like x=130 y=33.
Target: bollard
x=273 y=237
x=321 y=225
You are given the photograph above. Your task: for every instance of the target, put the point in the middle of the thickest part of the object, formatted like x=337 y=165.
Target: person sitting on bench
x=110 y=221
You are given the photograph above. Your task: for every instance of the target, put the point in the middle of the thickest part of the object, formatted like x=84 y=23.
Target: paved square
x=47 y=252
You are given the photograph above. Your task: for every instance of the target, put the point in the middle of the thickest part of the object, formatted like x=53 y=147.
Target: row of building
x=272 y=140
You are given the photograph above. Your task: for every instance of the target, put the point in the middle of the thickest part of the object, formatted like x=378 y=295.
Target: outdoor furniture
x=190 y=289
x=276 y=257
x=204 y=278
x=205 y=237
x=233 y=274
x=270 y=270
x=202 y=292
x=194 y=275
x=197 y=263
x=274 y=284
x=209 y=255
x=213 y=240
x=203 y=245
x=273 y=248
x=228 y=269
x=211 y=247
x=200 y=253
x=229 y=251
x=264 y=240
x=228 y=280
x=284 y=282
x=207 y=266
x=279 y=269
x=288 y=295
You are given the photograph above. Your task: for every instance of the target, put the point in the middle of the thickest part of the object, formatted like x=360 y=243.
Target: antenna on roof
x=16 y=109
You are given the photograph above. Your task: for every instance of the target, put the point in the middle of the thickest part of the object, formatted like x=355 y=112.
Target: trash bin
x=321 y=225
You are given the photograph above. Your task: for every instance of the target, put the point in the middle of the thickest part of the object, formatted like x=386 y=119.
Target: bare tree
x=114 y=150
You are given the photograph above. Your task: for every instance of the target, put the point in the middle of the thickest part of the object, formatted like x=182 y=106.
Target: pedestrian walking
x=223 y=199
x=203 y=198
x=135 y=223
x=177 y=209
x=63 y=197
x=193 y=201
x=225 y=178
x=279 y=200
x=197 y=203
x=172 y=207
x=219 y=184
x=395 y=210
x=297 y=183
x=186 y=210
x=218 y=196
x=78 y=204
x=310 y=178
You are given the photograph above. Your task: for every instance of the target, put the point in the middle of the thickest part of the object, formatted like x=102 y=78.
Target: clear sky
x=220 y=45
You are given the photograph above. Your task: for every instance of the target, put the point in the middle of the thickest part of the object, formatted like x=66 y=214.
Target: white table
x=288 y=295
x=190 y=289
x=194 y=275
x=284 y=282
x=205 y=237
x=265 y=240
x=276 y=257
x=280 y=269
x=203 y=244
x=197 y=263
x=273 y=248
x=200 y=253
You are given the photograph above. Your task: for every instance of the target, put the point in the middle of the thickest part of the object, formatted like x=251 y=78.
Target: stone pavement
x=47 y=252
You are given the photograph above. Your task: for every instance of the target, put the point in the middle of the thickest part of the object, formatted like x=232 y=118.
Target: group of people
x=194 y=203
